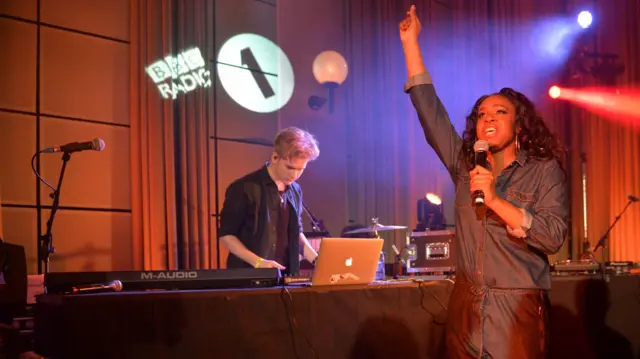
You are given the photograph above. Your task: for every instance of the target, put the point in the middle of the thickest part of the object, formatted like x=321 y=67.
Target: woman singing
x=498 y=307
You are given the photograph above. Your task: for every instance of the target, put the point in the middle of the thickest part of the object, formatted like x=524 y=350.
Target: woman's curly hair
x=533 y=136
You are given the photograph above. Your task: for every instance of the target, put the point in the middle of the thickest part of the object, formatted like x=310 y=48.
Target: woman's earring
x=517 y=145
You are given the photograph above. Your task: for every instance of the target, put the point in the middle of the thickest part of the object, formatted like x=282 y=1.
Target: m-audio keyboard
x=69 y=282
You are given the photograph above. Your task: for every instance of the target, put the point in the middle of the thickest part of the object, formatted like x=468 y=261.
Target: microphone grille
x=97 y=144
x=481 y=146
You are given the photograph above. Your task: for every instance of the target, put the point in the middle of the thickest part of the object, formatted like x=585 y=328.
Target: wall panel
x=18 y=60
x=237 y=160
x=92 y=179
x=17 y=146
x=233 y=19
x=26 y=9
x=71 y=84
x=20 y=228
x=101 y=17
x=244 y=16
x=84 y=77
x=90 y=241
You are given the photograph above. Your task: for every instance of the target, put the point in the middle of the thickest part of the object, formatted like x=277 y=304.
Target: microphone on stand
x=397 y=252
x=316 y=224
x=45 y=246
x=400 y=265
x=115 y=286
x=96 y=144
x=600 y=243
x=481 y=149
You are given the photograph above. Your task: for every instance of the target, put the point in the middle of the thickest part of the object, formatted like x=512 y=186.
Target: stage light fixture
x=585 y=19
x=554 y=92
x=430 y=213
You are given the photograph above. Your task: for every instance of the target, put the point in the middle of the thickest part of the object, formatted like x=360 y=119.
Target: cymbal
x=375 y=228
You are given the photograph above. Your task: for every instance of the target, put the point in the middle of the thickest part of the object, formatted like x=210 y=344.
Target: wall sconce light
x=330 y=70
x=316 y=102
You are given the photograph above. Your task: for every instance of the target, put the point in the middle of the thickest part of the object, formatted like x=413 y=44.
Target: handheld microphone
x=481 y=149
x=115 y=286
x=97 y=145
x=633 y=198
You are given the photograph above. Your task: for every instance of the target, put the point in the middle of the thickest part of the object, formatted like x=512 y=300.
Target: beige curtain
x=169 y=155
x=379 y=167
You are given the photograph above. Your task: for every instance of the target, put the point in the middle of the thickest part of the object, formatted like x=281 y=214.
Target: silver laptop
x=346 y=261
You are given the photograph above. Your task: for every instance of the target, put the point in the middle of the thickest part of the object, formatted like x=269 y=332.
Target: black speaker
x=13 y=281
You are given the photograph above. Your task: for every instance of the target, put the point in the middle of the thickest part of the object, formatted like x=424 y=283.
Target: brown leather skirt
x=484 y=322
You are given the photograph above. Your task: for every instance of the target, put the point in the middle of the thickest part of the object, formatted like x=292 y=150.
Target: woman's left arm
x=545 y=226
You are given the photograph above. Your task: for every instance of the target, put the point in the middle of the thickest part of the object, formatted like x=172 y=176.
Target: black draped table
x=377 y=321
x=591 y=318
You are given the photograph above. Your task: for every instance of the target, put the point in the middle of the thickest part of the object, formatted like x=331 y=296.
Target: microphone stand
x=606 y=234
x=46 y=240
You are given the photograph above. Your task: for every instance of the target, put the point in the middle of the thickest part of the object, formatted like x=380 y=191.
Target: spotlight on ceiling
x=585 y=19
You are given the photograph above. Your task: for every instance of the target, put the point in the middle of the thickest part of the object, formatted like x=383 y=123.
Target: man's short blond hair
x=293 y=142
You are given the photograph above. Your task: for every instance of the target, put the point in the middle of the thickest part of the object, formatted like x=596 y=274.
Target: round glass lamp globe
x=330 y=67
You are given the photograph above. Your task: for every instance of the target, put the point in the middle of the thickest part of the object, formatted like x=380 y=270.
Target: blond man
x=261 y=218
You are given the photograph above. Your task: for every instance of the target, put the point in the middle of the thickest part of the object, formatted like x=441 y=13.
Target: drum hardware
x=375 y=228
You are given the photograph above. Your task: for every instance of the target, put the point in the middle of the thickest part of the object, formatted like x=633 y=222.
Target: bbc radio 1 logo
x=180 y=74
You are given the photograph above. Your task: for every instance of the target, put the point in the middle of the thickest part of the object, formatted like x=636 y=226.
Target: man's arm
x=545 y=227
x=307 y=252
x=236 y=247
x=232 y=215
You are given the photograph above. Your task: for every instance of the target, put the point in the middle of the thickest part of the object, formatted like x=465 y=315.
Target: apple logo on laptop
x=349 y=262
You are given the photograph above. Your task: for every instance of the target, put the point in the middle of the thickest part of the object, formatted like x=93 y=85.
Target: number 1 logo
x=255 y=73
